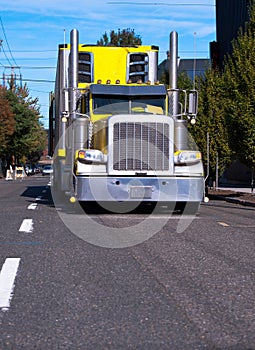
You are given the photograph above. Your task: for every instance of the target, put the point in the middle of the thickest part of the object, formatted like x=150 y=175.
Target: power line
x=45 y=92
x=39 y=80
x=27 y=67
x=156 y=3
x=11 y=67
x=7 y=42
x=13 y=76
x=7 y=58
x=29 y=51
x=33 y=67
x=37 y=58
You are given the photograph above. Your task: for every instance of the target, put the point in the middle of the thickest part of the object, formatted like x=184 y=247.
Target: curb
x=232 y=200
x=240 y=201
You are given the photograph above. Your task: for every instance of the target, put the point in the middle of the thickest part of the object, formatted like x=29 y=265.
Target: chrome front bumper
x=151 y=189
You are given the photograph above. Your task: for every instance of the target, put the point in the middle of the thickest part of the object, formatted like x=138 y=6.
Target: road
x=191 y=285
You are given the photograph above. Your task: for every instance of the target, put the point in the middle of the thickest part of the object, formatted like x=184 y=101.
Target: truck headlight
x=187 y=157
x=91 y=156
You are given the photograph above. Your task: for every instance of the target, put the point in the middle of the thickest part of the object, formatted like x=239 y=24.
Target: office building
x=231 y=15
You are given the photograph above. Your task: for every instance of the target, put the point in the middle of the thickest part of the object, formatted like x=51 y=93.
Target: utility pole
x=194 y=62
x=217 y=171
x=1 y=44
x=252 y=180
x=12 y=77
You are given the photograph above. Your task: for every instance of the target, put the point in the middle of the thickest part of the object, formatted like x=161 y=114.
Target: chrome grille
x=140 y=146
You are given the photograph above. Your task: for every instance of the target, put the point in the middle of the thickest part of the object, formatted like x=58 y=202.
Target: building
x=193 y=67
x=231 y=15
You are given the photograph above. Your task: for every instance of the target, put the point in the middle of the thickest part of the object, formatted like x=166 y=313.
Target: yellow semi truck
x=119 y=136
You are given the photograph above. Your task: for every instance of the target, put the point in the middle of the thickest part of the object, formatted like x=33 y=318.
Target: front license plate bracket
x=140 y=192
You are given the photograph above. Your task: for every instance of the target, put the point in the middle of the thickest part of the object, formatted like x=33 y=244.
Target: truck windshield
x=110 y=104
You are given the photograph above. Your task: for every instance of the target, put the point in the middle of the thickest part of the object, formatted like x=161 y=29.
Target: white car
x=47 y=170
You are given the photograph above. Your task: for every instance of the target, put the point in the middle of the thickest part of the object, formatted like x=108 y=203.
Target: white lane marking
x=223 y=224
x=7 y=278
x=32 y=206
x=26 y=226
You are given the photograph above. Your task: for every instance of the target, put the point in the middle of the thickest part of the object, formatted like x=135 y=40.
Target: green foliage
x=211 y=121
x=227 y=105
x=26 y=135
x=184 y=82
x=239 y=78
x=7 y=121
x=124 y=37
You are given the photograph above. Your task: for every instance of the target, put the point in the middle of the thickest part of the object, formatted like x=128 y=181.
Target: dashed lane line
x=7 y=278
x=32 y=206
x=26 y=226
x=10 y=267
x=224 y=224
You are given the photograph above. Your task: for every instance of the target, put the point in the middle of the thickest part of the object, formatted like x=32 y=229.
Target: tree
x=7 y=121
x=28 y=136
x=124 y=37
x=239 y=95
x=227 y=105
x=211 y=121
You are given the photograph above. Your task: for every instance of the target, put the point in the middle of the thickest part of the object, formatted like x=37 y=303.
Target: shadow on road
x=41 y=194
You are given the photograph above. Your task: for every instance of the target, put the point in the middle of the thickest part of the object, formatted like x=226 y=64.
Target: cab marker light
x=81 y=154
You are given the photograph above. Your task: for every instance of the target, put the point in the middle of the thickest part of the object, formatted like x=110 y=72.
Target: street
x=185 y=283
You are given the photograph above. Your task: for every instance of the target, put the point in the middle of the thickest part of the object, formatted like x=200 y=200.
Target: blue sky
x=32 y=30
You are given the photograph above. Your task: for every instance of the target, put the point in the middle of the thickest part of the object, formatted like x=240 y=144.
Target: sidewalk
x=238 y=189
x=237 y=195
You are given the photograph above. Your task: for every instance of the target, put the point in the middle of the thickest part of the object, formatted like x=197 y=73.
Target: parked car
x=30 y=169
x=47 y=170
x=38 y=169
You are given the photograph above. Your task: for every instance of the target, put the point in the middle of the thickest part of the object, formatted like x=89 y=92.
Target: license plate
x=140 y=192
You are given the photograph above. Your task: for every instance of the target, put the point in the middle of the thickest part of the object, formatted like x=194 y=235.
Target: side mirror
x=65 y=101
x=193 y=102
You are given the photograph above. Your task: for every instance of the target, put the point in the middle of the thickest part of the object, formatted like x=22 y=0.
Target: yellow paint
x=61 y=152
x=110 y=63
